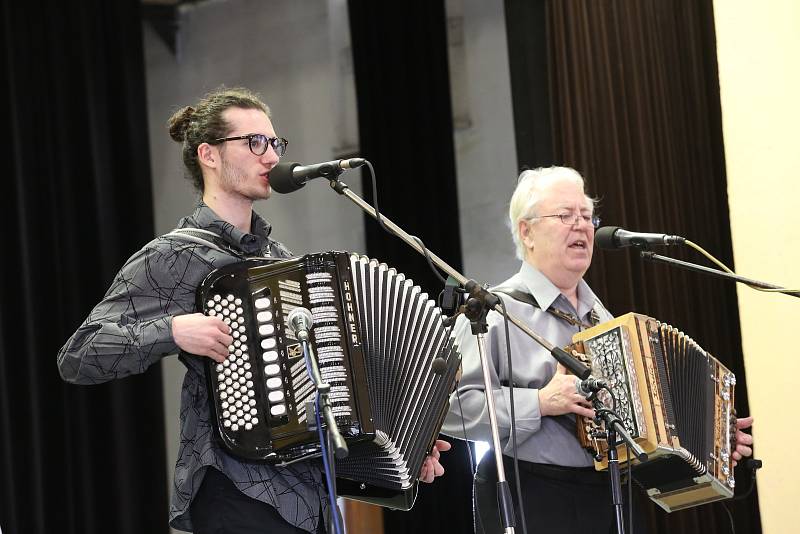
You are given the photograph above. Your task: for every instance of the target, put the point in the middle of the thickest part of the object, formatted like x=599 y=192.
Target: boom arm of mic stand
x=475 y=289
x=714 y=272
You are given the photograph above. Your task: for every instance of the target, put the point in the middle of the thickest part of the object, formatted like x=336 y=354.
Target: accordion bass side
x=375 y=336
x=674 y=398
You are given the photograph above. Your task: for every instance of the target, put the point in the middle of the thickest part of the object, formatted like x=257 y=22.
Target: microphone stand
x=615 y=428
x=336 y=445
x=474 y=288
x=486 y=301
x=647 y=255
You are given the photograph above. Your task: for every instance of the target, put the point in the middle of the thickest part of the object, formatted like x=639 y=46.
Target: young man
x=553 y=224
x=229 y=147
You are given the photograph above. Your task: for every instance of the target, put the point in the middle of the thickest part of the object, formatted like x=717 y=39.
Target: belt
x=582 y=475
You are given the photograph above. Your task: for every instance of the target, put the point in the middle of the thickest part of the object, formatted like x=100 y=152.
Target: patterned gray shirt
x=131 y=329
x=550 y=440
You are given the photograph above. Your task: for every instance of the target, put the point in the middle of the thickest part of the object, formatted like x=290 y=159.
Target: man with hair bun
x=552 y=224
x=229 y=146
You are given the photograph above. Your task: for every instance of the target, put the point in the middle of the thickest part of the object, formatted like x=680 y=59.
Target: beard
x=234 y=180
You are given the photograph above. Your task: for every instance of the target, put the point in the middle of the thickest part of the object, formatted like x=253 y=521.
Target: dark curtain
x=77 y=203
x=635 y=108
x=405 y=130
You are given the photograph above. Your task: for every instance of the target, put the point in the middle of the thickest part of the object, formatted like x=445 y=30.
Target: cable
x=730 y=516
x=328 y=475
x=513 y=416
x=379 y=220
x=725 y=268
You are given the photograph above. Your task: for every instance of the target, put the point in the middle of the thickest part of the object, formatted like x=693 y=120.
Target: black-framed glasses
x=259 y=142
x=571 y=219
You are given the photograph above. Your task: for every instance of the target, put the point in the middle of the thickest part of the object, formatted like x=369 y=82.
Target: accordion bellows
x=376 y=336
x=674 y=398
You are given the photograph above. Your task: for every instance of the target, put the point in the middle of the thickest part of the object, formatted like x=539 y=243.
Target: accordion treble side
x=674 y=398
x=375 y=336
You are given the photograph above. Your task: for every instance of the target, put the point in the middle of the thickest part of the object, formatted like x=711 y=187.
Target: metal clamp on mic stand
x=615 y=434
x=331 y=441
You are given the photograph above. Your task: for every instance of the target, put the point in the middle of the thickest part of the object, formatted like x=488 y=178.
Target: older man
x=552 y=224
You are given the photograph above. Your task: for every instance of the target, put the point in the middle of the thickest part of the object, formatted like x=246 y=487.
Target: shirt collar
x=251 y=243
x=547 y=294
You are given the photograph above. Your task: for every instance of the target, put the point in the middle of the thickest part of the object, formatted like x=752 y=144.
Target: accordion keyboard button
x=266 y=329
x=278 y=410
x=268 y=343
x=262 y=303
x=272 y=369
x=270 y=356
x=274 y=382
x=264 y=317
x=276 y=396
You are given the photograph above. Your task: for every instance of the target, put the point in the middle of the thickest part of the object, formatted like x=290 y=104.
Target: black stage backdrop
x=406 y=131
x=635 y=107
x=74 y=459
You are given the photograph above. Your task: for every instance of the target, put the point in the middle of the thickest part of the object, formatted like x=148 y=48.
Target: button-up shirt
x=131 y=329
x=550 y=440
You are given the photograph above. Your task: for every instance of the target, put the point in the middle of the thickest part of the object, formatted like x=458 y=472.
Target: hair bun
x=179 y=123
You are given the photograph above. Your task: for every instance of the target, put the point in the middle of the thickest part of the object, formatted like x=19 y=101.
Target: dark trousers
x=556 y=500
x=220 y=508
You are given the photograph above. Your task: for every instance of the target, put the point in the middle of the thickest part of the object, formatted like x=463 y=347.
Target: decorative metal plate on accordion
x=675 y=400
x=375 y=335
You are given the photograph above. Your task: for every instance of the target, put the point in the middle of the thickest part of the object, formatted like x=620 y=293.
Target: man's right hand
x=560 y=396
x=202 y=335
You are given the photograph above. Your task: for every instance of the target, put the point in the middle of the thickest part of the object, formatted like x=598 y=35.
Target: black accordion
x=676 y=401
x=376 y=337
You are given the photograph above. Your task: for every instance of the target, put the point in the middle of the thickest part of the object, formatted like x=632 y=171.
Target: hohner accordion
x=375 y=335
x=675 y=400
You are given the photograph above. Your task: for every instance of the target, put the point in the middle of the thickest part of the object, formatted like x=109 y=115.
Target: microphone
x=611 y=237
x=300 y=321
x=589 y=385
x=290 y=176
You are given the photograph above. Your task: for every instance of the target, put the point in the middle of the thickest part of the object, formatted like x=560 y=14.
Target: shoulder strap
x=204 y=237
x=516 y=294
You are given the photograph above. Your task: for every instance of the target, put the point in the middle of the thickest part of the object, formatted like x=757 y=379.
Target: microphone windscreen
x=604 y=237
x=282 y=180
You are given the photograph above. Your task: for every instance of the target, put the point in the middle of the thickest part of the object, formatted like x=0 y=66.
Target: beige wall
x=758 y=47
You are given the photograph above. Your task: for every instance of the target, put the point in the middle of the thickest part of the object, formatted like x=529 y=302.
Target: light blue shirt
x=550 y=440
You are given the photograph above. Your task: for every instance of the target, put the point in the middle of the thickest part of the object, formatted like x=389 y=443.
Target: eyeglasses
x=259 y=143
x=571 y=219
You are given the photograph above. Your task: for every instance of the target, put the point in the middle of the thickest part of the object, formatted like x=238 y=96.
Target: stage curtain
x=635 y=108
x=76 y=204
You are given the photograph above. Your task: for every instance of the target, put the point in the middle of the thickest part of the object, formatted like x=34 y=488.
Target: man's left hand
x=744 y=442
x=431 y=468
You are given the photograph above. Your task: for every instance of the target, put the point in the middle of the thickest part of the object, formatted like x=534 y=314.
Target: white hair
x=530 y=188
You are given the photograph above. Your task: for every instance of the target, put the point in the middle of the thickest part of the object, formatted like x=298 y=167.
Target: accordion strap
x=527 y=298
x=206 y=238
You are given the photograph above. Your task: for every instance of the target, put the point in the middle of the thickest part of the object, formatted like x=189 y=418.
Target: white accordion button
x=255 y=420
x=266 y=329
x=278 y=410
x=262 y=303
x=272 y=369
x=274 y=383
x=248 y=426
x=217 y=297
x=268 y=343
x=264 y=317
x=270 y=356
x=276 y=396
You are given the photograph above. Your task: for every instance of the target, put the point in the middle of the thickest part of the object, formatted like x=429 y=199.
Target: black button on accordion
x=376 y=336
